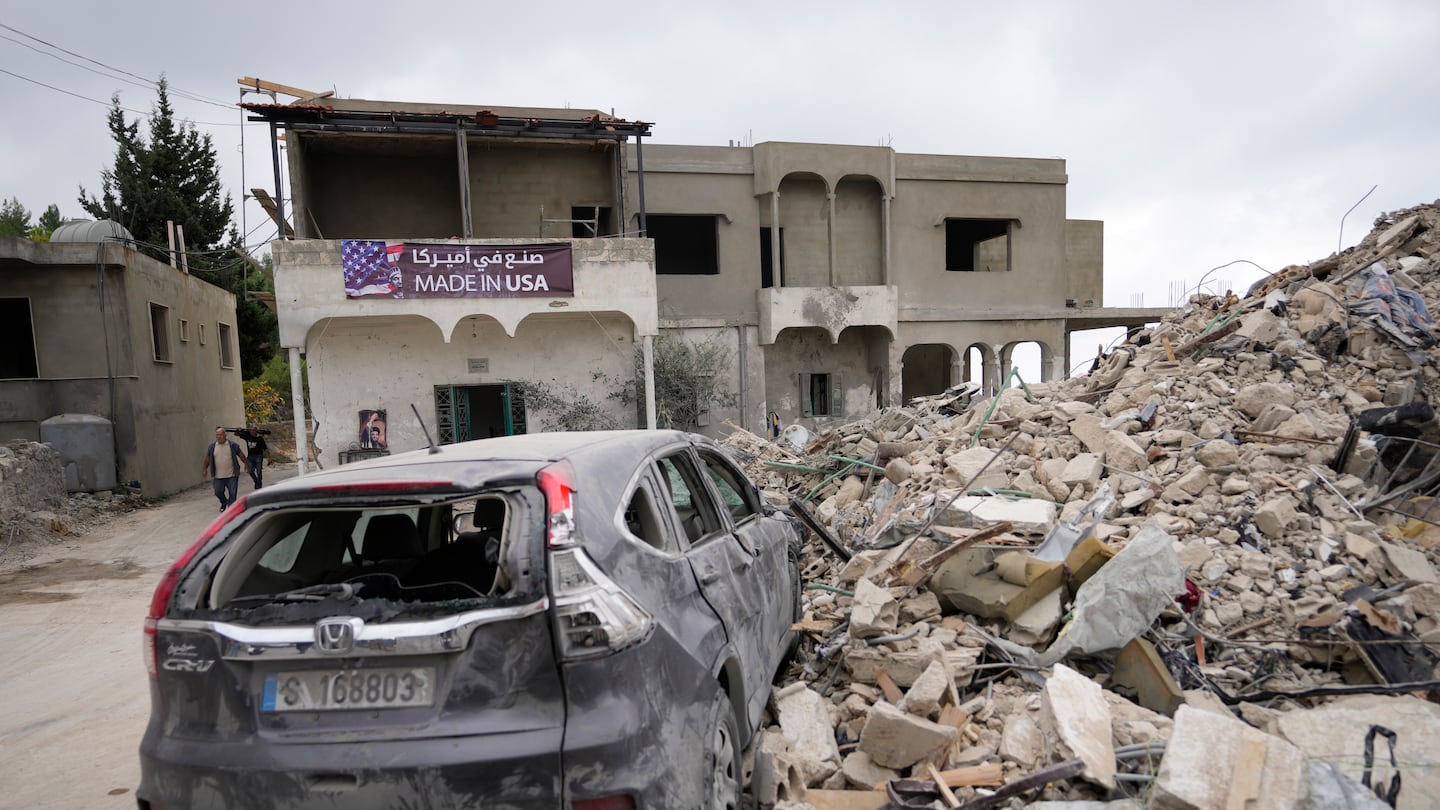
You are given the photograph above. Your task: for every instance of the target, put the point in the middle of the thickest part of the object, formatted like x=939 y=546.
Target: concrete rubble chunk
x=1028 y=515
x=1217 y=454
x=927 y=691
x=1275 y=516
x=1253 y=399
x=897 y=739
x=1401 y=564
x=1083 y=469
x=1216 y=761
x=1123 y=453
x=965 y=465
x=1336 y=732
x=1076 y=712
x=1022 y=741
x=874 y=613
x=808 y=727
x=862 y=772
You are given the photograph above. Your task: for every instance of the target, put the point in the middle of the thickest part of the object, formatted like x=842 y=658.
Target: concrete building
x=837 y=279
x=93 y=327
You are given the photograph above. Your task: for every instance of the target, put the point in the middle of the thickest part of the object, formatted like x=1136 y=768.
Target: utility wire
x=152 y=82
x=106 y=103
x=148 y=85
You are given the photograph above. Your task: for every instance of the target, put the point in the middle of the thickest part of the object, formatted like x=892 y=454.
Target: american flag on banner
x=371 y=269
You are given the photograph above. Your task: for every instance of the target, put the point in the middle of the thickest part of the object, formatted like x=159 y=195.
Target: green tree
x=46 y=224
x=14 y=218
x=689 y=380
x=169 y=174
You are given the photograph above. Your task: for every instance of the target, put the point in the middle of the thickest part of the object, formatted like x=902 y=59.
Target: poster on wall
x=381 y=269
x=372 y=430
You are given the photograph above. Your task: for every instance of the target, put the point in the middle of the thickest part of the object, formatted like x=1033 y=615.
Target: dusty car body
x=579 y=620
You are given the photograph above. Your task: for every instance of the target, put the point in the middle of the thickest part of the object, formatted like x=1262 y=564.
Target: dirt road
x=75 y=694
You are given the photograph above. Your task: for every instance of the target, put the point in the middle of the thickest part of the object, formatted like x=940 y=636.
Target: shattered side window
x=732 y=490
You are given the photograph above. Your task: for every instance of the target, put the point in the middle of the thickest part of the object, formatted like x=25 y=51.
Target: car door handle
x=709 y=574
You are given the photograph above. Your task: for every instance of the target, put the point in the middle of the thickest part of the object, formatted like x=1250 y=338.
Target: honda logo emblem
x=336 y=635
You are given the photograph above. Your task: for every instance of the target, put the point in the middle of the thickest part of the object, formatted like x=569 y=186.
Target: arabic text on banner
x=381 y=269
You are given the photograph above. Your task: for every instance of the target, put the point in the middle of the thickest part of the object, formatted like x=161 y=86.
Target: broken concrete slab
x=1025 y=515
x=896 y=739
x=1075 y=711
x=862 y=772
x=963 y=468
x=927 y=691
x=1083 y=469
x=1022 y=742
x=1401 y=564
x=807 y=724
x=1217 y=761
x=1335 y=733
x=874 y=612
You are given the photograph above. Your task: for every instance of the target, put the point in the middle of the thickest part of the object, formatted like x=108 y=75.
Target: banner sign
x=378 y=269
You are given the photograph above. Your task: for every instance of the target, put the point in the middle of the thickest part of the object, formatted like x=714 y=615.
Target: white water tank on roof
x=86 y=444
x=88 y=230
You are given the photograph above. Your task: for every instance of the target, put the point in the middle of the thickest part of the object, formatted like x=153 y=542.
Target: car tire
x=722 y=757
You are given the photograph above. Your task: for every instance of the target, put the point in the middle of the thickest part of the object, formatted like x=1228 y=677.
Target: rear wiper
x=311 y=593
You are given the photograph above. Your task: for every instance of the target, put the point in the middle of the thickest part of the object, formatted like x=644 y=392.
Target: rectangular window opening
x=17 y=334
x=768 y=277
x=202 y=334
x=160 y=332
x=685 y=244
x=821 y=395
x=973 y=245
x=590 y=221
x=184 y=331
x=227 y=351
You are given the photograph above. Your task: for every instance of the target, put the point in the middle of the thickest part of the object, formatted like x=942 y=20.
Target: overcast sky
x=1200 y=133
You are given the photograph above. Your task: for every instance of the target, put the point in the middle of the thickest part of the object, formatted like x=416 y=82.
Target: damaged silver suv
x=563 y=620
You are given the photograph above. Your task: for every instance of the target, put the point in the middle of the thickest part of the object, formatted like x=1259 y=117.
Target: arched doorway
x=925 y=370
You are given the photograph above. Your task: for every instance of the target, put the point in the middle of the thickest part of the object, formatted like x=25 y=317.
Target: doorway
x=465 y=412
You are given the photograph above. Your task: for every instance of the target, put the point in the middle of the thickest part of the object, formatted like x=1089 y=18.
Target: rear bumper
x=516 y=771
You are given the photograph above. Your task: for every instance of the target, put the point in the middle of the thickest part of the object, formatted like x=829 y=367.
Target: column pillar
x=647 y=350
x=779 y=279
x=830 y=230
x=297 y=396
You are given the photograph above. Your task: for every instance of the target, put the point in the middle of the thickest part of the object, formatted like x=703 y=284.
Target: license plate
x=319 y=690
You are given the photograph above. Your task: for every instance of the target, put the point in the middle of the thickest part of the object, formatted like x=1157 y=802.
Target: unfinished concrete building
x=837 y=279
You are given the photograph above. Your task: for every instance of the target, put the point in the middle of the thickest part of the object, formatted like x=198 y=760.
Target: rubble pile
x=1137 y=584
x=34 y=506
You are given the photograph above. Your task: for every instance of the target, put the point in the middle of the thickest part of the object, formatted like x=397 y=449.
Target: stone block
x=1253 y=399
x=1217 y=454
x=1336 y=731
x=1083 y=468
x=808 y=727
x=963 y=467
x=1275 y=516
x=862 y=772
x=1076 y=712
x=927 y=691
x=897 y=739
x=1216 y=761
x=1402 y=563
x=1123 y=453
x=1022 y=742
x=1028 y=515
x=874 y=612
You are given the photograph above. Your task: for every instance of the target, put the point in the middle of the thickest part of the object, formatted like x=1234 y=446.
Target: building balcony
x=833 y=309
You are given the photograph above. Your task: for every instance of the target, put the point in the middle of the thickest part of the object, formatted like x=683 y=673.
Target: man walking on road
x=257 y=451
x=223 y=462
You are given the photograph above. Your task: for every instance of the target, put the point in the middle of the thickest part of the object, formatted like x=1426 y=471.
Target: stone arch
x=1031 y=356
x=859 y=231
x=980 y=365
x=926 y=369
x=805 y=229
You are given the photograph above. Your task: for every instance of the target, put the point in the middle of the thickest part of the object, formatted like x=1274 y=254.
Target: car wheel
x=723 y=757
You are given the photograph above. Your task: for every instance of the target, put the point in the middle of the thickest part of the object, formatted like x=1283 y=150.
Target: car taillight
x=166 y=588
x=593 y=616
x=622 y=802
x=554 y=482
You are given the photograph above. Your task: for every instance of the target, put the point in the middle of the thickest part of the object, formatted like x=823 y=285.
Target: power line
x=106 y=103
x=152 y=82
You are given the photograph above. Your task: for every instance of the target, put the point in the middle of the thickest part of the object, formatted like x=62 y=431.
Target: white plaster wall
x=390 y=363
x=860 y=352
